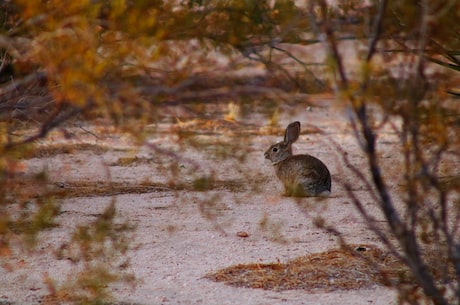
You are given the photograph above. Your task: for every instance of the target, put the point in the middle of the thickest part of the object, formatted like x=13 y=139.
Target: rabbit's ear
x=292 y=132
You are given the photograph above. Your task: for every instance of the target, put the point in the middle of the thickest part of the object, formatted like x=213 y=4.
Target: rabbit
x=302 y=175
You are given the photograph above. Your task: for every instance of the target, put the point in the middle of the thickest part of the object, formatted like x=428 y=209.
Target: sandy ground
x=175 y=245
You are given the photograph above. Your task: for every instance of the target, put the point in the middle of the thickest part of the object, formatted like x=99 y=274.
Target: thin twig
x=377 y=30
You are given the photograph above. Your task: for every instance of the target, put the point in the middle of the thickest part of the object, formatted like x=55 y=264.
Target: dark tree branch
x=377 y=30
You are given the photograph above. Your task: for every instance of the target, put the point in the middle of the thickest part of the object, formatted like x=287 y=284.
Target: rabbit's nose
x=266 y=155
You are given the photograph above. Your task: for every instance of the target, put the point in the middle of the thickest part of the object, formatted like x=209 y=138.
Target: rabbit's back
x=304 y=175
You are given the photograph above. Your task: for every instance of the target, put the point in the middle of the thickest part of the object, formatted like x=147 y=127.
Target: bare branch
x=332 y=42
x=54 y=120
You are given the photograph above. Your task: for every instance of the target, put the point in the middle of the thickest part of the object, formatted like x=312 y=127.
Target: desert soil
x=182 y=235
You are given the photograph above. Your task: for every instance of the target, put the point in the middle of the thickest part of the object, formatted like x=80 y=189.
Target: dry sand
x=175 y=245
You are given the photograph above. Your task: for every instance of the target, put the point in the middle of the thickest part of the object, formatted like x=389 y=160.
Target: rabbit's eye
x=274 y=149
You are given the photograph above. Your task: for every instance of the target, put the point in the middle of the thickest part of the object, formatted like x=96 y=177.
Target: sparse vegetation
x=422 y=222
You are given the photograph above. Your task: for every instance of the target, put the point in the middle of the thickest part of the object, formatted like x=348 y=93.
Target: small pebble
x=242 y=234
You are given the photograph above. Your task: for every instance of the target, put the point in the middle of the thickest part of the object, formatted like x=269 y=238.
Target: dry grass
x=47 y=151
x=102 y=188
x=107 y=188
x=221 y=126
x=353 y=268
